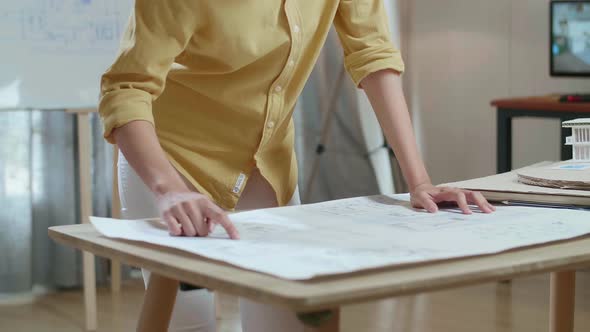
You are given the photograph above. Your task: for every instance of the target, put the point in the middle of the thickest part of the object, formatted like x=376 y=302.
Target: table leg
x=562 y=301
x=116 y=213
x=158 y=303
x=115 y=276
x=504 y=141
x=84 y=165
x=89 y=291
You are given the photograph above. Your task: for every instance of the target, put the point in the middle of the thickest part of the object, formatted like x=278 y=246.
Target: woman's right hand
x=186 y=212
x=193 y=214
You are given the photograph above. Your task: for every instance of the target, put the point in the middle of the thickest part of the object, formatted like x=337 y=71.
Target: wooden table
x=170 y=265
x=544 y=107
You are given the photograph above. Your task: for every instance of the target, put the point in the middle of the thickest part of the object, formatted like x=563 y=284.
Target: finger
x=445 y=195
x=462 y=202
x=185 y=221
x=477 y=198
x=216 y=215
x=196 y=218
x=489 y=205
x=173 y=224
x=211 y=225
x=229 y=227
x=428 y=203
x=448 y=196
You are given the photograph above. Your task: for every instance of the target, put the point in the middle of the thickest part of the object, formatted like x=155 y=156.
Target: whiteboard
x=54 y=51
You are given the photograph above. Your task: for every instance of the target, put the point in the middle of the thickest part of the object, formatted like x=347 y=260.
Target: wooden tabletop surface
x=541 y=103
x=329 y=292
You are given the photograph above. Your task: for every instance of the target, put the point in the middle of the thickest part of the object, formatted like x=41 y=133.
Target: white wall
x=460 y=55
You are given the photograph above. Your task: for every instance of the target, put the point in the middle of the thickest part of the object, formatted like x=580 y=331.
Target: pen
x=545 y=205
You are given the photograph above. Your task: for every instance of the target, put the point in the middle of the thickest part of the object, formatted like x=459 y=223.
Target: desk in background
x=541 y=107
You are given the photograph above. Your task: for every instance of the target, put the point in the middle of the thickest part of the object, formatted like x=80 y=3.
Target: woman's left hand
x=427 y=196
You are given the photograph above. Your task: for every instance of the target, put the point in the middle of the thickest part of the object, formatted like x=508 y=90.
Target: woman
x=200 y=100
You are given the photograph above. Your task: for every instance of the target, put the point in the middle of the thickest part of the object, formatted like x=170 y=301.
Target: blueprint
x=302 y=242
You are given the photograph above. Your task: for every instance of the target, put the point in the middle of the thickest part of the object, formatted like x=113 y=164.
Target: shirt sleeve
x=363 y=29
x=158 y=32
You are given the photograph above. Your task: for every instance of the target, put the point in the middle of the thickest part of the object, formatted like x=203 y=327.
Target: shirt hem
x=221 y=202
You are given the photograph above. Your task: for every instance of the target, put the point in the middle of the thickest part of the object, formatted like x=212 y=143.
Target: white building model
x=580 y=139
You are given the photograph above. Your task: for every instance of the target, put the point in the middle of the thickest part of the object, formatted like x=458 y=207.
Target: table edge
x=305 y=302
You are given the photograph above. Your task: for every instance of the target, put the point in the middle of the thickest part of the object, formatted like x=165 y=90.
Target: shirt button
x=270 y=125
x=296 y=29
x=278 y=88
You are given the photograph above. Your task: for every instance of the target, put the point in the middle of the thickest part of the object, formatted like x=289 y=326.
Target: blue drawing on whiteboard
x=74 y=26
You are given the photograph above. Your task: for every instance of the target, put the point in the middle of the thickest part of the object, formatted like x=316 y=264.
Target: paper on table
x=348 y=235
x=564 y=175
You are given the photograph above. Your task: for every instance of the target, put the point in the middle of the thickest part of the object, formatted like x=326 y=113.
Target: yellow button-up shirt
x=219 y=80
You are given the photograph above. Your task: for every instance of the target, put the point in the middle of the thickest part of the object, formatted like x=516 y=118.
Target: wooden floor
x=518 y=306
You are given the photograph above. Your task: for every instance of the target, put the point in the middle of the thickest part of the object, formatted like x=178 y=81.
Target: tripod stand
x=378 y=152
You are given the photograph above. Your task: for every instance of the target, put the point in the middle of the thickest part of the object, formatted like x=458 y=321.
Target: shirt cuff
x=119 y=107
x=363 y=63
